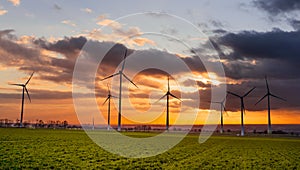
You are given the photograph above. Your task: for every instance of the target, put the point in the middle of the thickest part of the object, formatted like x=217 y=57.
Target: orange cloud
x=68 y=22
x=3 y=12
x=15 y=2
x=143 y=41
x=111 y=23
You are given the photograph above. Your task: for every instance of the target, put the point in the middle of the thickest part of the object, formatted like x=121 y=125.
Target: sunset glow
x=50 y=40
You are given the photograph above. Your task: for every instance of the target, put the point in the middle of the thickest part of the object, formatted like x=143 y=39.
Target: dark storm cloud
x=14 y=54
x=29 y=57
x=281 y=9
x=257 y=45
x=251 y=55
x=219 y=31
x=278 y=6
x=270 y=50
x=67 y=46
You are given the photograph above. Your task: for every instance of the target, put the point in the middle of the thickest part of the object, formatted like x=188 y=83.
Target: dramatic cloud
x=12 y=53
x=254 y=53
x=66 y=46
x=287 y=10
x=244 y=57
x=278 y=6
x=249 y=55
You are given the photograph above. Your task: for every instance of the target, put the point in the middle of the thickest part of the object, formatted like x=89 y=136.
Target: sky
x=206 y=47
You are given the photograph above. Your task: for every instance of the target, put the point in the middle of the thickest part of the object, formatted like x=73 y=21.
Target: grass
x=71 y=149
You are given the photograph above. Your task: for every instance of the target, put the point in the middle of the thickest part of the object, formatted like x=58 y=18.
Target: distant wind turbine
x=242 y=108
x=121 y=74
x=109 y=96
x=168 y=94
x=269 y=106
x=24 y=89
x=221 y=113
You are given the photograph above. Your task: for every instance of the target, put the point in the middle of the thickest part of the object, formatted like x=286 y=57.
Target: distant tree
x=41 y=123
x=57 y=123
x=65 y=124
x=17 y=122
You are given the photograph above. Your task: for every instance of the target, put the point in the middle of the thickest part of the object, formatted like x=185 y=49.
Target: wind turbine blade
x=267 y=83
x=233 y=94
x=27 y=94
x=161 y=98
x=105 y=100
x=17 y=85
x=123 y=66
x=129 y=80
x=261 y=99
x=249 y=92
x=113 y=96
x=29 y=79
x=277 y=97
x=174 y=96
x=110 y=76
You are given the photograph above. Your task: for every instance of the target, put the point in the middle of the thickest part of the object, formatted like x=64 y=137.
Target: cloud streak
x=87 y=10
x=3 y=11
x=69 y=22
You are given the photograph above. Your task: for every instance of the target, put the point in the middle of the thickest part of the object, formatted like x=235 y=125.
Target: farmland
x=65 y=149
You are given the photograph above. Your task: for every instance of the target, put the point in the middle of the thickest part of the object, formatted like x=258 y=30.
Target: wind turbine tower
x=242 y=108
x=168 y=94
x=269 y=105
x=222 y=108
x=121 y=75
x=24 y=89
x=109 y=96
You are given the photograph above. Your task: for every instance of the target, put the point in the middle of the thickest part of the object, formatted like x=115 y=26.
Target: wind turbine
x=242 y=108
x=168 y=94
x=269 y=106
x=221 y=113
x=24 y=89
x=109 y=96
x=121 y=74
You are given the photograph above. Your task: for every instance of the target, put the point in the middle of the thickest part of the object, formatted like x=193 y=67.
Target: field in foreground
x=66 y=149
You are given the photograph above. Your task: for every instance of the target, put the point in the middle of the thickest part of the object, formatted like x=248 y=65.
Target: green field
x=71 y=149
